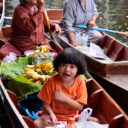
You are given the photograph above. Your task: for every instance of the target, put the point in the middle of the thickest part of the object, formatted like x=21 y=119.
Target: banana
x=39 y=70
x=31 y=79
x=42 y=77
x=38 y=82
x=36 y=76
x=30 y=66
x=30 y=73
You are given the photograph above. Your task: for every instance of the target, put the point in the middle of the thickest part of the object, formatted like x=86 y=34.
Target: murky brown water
x=113 y=14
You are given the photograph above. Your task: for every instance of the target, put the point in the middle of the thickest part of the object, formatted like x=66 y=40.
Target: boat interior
x=104 y=107
x=114 y=49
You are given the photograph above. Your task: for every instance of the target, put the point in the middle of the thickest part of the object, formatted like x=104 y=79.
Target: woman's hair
x=71 y=56
x=22 y=2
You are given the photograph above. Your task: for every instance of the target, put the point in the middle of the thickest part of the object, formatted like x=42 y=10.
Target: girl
x=65 y=94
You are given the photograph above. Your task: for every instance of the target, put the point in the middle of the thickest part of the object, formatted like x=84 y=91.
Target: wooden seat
x=91 y=86
x=119 y=121
x=13 y=98
x=104 y=108
x=55 y=15
x=6 y=31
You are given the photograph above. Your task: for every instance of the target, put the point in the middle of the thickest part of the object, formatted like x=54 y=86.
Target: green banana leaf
x=14 y=68
x=17 y=83
x=22 y=87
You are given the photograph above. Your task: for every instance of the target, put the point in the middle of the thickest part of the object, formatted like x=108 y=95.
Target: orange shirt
x=77 y=91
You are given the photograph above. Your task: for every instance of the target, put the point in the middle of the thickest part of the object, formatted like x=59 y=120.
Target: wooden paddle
x=102 y=30
x=48 y=24
x=49 y=29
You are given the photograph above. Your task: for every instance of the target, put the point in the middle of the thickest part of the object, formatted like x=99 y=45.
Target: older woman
x=28 y=25
x=82 y=12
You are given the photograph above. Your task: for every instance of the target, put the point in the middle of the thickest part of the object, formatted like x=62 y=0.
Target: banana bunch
x=39 y=73
x=40 y=51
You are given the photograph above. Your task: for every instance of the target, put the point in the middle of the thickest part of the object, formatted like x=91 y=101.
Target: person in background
x=28 y=25
x=83 y=12
x=65 y=94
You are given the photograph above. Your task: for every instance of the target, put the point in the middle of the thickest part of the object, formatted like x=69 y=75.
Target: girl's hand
x=53 y=118
x=60 y=96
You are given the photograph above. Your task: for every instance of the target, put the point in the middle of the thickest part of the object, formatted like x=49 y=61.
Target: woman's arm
x=25 y=21
x=92 y=21
x=71 y=38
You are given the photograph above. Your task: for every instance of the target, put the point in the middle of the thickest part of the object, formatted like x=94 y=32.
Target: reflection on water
x=113 y=14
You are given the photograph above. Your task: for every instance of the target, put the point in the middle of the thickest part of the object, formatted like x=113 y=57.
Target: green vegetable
x=17 y=83
x=22 y=87
x=83 y=77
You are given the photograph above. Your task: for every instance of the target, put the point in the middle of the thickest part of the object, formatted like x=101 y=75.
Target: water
x=113 y=14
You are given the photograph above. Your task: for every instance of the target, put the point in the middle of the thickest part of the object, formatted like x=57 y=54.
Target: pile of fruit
x=39 y=73
x=40 y=51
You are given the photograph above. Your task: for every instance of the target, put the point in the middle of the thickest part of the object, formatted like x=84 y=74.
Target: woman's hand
x=56 y=28
x=40 y=4
x=74 y=43
x=91 y=23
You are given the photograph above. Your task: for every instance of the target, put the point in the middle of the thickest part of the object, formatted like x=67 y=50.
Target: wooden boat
x=2 y=12
x=104 y=107
x=114 y=68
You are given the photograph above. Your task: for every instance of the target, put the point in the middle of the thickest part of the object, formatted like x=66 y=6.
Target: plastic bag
x=92 y=124
x=82 y=39
x=9 y=58
x=83 y=123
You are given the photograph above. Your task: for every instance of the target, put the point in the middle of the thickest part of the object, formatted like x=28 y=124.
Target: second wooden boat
x=114 y=67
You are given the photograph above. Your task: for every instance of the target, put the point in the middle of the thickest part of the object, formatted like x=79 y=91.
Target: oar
x=48 y=24
x=102 y=30
x=49 y=28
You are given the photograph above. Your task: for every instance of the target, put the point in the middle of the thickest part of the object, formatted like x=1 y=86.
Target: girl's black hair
x=71 y=56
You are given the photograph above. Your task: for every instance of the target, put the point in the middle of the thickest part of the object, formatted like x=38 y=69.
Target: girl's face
x=67 y=72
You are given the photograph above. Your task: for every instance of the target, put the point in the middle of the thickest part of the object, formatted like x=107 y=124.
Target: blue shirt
x=74 y=13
